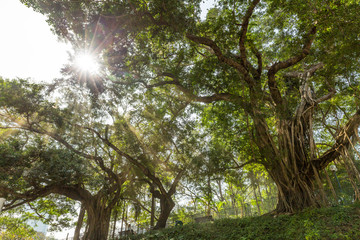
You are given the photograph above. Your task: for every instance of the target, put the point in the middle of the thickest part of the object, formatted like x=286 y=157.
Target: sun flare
x=87 y=63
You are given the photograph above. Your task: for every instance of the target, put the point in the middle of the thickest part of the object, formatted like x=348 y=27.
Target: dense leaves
x=257 y=89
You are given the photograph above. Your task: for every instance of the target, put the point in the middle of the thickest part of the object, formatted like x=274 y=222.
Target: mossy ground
x=340 y=222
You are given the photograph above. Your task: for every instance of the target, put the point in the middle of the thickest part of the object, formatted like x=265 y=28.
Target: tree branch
x=326 y=97
x=175 y=182
x=274 y=91
x=132 y=160
x=205 y=99
x=241 y=165
x=309 y=72
x=342 y=141
x=218 y=53
x=73 y=191
x=243 y=31
x=258 y=55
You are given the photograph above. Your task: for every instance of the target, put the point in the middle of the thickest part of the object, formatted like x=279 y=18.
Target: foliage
x=42 y=157
x=12 y=227
x=341 y=222
x=85 y=155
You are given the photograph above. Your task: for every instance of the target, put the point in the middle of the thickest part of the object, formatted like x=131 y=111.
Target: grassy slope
x=341 y=222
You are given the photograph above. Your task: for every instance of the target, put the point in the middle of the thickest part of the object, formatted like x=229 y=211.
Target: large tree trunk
x=295 y=166
x=290 y=167
x=296 y=190
x=291 y=158
x=98 y=220
x=294 y=174
x=166 y=206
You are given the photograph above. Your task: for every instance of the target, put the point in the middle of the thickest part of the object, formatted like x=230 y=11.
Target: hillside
x=341 y=222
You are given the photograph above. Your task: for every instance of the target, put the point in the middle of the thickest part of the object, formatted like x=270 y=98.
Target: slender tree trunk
x=166 y=206
x=256 y=199
x=152 y=216
x=114 y=227
x=268 y=200
x=126 y=218
x=220 y=191
x=254 y=188
x=233 y=201
x=209 y=193
x=259 y=193
x=123 y=216
x=79 y=222
x=243 y=212
x=331 y=186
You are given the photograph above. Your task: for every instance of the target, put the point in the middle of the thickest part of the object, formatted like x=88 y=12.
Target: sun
x=87 y=63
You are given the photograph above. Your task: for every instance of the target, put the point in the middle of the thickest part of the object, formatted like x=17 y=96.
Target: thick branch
x=274 y=91
x=342 y=141
x=309 y=72
x=205 y=99
x=243 y=31
x=258 y=55
x=176 y=182
x=74 y=192
x=326 y=97
x=218 y=53
x=191 y=96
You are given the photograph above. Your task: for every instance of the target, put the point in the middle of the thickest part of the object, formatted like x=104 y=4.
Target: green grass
x=341 y=222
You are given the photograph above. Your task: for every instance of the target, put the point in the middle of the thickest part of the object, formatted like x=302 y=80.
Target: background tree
x=152 y=141
x=48 y=156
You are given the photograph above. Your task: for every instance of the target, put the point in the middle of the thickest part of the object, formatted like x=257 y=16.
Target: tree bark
x=295 y=193
x=98 y=220
x=115 y=220
x=331 y=186
x=166 y=206
x=152 y=214
x=123 y=216
x=254 y=187
x=79 y=223
x=294 y=174
x=292 y=169
x=209 y=196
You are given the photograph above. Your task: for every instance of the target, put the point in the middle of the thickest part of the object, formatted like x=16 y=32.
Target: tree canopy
x=272 y=82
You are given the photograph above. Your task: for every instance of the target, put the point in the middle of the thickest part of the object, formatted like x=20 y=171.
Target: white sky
x=28 y=49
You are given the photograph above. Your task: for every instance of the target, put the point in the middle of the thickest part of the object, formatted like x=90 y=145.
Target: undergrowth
x=341 y=222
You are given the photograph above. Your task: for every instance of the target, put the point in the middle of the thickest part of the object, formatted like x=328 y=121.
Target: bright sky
x=28 y=49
